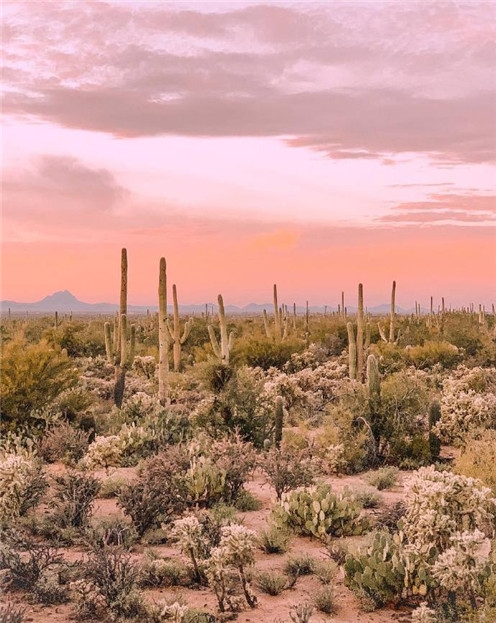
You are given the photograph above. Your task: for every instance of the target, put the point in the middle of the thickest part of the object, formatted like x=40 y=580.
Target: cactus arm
x=214 y=342
x=266 y=324
x=277 y=316
x=187 y=329
x=170 y=330
x=132 y=344
x=381 y=332
x=123 y=339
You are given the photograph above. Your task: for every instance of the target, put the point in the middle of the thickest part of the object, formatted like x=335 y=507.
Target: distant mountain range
x=65 y=302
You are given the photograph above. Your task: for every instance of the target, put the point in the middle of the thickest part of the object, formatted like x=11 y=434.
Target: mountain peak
x=62 y=296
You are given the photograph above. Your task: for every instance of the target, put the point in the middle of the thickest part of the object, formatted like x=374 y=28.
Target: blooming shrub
x=113 y=450
x=468 y=401
x=22 y=484
x=440 y=504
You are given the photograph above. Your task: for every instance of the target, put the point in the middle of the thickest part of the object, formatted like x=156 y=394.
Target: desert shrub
x=287 y=469
x=32 y=376
x=159 y=493
x=383 y=478
x=318 y=512
x=28 y=564
x=299 y=565
x=301 y=613
x=325 y=600
x=64 y=443
x=110 y=531
x=110 y=584
x=22 y=484
x=12 y=613
x=158 y=572
x=126 y=448
x=396 y=417
x=273 y=540
x=389 y=517
x=478 y=458
x=325 y=571
x=271 y=582
x=236 y=459
x=368 y=498
x=110 y=487
x=73 y=499
x=240 y=404
x=265 y=354
x=246 y=502
x=145 y=366
x=430 y=353
x=337 y=552
x=468 y=402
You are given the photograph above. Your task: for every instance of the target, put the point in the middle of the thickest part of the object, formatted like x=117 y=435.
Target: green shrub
x=299 y=565
x=287 y=469
x=64 y=443
x=73 y=499
x=478 y=458
x=32 y=376
x=383 y=478
x=22 y=484
x=273 y=540
x=271 y=582
x=325 y=600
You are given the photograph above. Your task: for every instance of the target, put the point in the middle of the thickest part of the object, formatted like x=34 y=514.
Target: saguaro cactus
x=281 y=320
x=392 y=339
x=163 y=336
x=118 y=354
x=356 y=345
x=352 y=351
x=175 y=331
x=278 y=421
x=222 y=350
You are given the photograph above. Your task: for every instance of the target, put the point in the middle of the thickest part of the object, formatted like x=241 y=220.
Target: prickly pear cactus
x=319 y=512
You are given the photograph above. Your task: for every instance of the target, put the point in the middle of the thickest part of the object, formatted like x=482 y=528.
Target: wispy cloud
x=338 y=81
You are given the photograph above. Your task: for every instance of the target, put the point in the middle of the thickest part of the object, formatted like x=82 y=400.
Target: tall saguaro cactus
x=356 y=345
x=163 y=336
x=175 y=331
x=222 y=350
x=281 y=320
x=118 y=353
x=391 y=339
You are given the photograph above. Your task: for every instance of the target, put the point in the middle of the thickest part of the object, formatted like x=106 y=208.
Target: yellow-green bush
x=478 y=459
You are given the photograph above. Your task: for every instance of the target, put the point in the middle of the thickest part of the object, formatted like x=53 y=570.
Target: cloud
x=358 y=81
x=464 y=208
x=60 y=189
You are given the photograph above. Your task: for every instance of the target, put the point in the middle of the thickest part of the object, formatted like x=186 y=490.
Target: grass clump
x=383 y=478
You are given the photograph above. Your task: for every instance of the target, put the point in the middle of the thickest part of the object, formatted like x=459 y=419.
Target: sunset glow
x=314 y=145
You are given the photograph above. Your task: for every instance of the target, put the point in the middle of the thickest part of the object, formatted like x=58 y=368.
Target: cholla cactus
x=174 y=612
x=21 y=485
x=236 y=550
x=461 y=567
x=192 y=541
x=440 y=504
x=145 y=365
x=424 y=614
x=111 y=450
x=468 y=401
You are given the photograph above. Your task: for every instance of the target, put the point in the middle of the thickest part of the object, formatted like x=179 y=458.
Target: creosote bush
x=287 y=469
x=73 y=499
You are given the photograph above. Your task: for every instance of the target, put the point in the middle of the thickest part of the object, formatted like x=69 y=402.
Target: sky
x=314 y=145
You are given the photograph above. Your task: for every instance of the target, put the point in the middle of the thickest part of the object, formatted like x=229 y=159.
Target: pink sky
x=312 y=145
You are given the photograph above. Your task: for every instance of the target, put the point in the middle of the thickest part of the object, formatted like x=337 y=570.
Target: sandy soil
x=271 y=609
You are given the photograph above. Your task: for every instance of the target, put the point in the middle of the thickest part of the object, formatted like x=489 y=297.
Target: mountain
x=65 y=301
